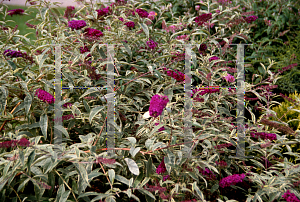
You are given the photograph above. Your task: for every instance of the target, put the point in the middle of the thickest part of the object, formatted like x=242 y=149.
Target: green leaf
x=82 y=172
x=22 y=185
x=88 y=194
x=86 y=106
x=143 y=191
x=196 y=188
x=145 y=181
x=110 y=199
x=93 y=113
x=111 y=175
x=27 y=103
x=44 y=12
x=133 y=167
x=127 y=49
x=3 y=98
x=61 y=190
x=102 y=54
x=62 y=129
x=21 y=156
x=149 y=167
x=12 y=64
x=214 y=188
x=44 y=124
x=135 y=151
x=150 y=142
x=30 y=160
x=132 y=140
x=122 y=179
x=64 y=196
x=145 y=29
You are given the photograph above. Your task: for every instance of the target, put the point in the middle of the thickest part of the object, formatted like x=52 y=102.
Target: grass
x=20 y=20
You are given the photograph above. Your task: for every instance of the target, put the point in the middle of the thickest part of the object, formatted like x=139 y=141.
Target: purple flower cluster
x=153 y=188
x=161 y=129
x=205 y=91
x=166 y=177
x=121 y=19
x=130 y=24
x=203 y=18
x=104 y=11
x=229 y=78
x=251 y=18
x=68 y=12
x=176 y=75
x=77 y=24
x=183 y=37
x=92 y=71
x=220 y=146
x=15 y=11
x=151 y=44
x=262 y=135
x=44 y=96
x=67 y=104
x=13 y=143
x=65 y=117
x=266 y=162
x=203 y=47
x=105 y=160
x=290 y=197
x=157 y=104
x=231 y=180
x=213 y=58
x=193 y=200
x=84 y=50
x=13 y=54
x=224 y=2
x=207 y=173
x=287 y=68
x=92 y=33
x=161 y=168
x=221 y=163
x=142 y=13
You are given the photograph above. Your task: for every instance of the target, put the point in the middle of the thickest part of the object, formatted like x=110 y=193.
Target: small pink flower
x=107 y=28
x=229 y=78
x=218 y=11
x=152 y=15
x=197 y=7
x=121 y=19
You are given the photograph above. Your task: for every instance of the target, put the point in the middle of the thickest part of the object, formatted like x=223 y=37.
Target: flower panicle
x=23 y=142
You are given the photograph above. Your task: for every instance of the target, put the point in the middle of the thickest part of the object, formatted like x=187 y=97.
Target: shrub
x=82 y=167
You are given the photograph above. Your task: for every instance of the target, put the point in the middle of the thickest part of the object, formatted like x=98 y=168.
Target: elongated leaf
x=27 y=103
x=44 y=124
x=30 y=159
x=63 y=130
x=133 y=167
x=111 y=175
x=94 y=112
x=22 y=185
x=122 y=179
x=145 y=29
x=143 y=191
x=196 y=188
x=3 y=98
x=64 y=196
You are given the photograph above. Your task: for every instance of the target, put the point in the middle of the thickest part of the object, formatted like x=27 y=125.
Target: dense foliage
x=149 y=71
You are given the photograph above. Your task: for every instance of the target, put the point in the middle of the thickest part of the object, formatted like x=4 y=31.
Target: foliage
x=289 y=111
x=81 y=169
